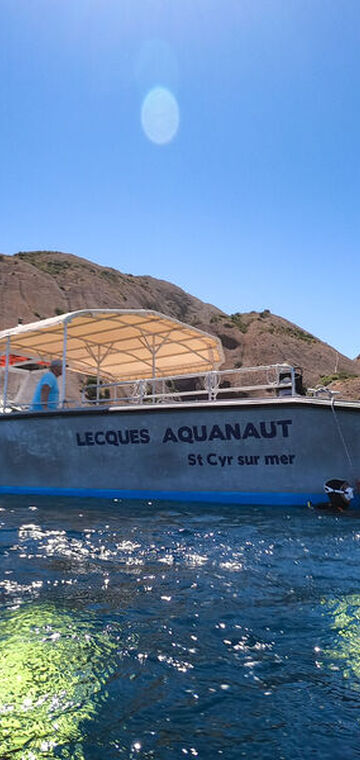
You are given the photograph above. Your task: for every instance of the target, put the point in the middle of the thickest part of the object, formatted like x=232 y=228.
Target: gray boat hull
x=260 y=452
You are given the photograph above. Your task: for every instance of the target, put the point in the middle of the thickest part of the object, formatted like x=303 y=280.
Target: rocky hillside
x=40 y=284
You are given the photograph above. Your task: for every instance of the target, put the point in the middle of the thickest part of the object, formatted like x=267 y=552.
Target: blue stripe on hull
x=219 y=497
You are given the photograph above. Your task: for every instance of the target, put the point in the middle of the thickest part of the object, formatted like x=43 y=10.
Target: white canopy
x=116 y=344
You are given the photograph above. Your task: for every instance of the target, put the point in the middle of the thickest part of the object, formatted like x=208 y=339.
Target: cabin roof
x=119 y=344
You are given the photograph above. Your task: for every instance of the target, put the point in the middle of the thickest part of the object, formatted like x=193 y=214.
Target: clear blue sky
x=253 y=204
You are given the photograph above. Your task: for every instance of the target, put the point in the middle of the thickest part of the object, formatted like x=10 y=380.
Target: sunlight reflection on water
x=137 y=630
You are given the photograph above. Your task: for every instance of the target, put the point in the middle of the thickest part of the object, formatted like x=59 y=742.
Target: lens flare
x=160 y=115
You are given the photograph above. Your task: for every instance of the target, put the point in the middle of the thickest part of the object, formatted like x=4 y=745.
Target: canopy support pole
x=63 y=385
x=6 y=378
x=98 y=377
x=293 y=381
x=153 y=367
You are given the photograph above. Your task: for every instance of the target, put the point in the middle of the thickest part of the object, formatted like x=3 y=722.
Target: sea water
x=145 y=630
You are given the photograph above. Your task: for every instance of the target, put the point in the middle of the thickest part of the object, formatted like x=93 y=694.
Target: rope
x=347 y=452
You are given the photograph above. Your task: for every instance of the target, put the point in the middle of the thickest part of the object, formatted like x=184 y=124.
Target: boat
x=160 y=419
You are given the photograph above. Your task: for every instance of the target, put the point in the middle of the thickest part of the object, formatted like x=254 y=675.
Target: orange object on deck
x=14 y=359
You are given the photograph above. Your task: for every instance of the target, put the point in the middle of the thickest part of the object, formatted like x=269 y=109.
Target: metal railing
x=211 y=386
x=242 y=382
